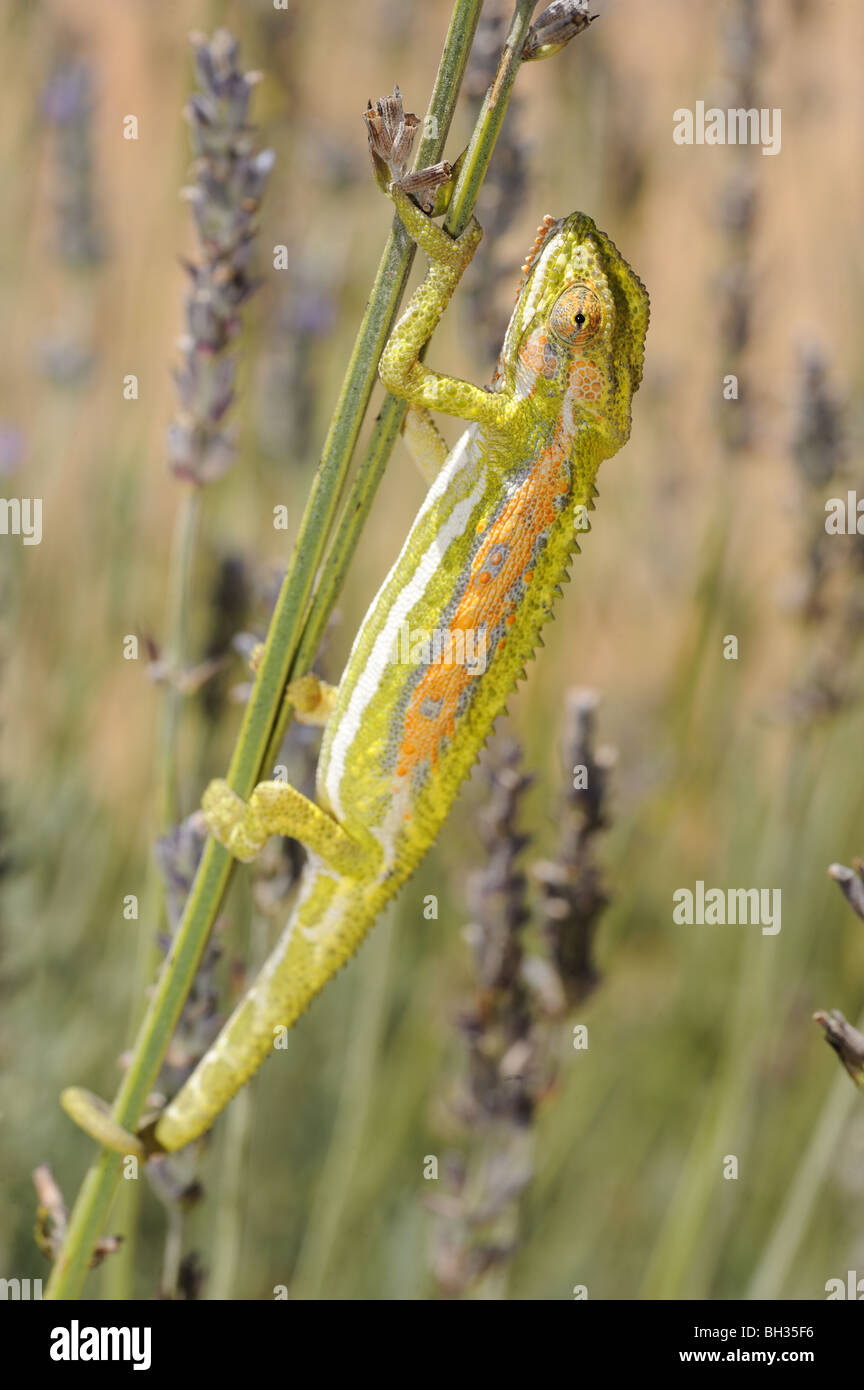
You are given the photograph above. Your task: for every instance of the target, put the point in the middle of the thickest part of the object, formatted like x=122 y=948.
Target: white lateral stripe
x=440 y=485
x=379 y=657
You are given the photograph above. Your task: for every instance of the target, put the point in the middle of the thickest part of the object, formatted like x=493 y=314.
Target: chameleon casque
x=483 y=562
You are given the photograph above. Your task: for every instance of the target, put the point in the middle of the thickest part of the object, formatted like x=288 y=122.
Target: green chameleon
x=451 y=628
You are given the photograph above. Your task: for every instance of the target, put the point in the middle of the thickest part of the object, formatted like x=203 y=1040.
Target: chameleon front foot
x=275 y=808
x=442 y=249
x=401 y=369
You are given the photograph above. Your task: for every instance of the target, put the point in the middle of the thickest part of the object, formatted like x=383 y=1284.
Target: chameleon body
x=476 y=577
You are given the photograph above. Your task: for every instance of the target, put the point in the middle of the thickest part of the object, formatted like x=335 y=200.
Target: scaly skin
x=485 y=556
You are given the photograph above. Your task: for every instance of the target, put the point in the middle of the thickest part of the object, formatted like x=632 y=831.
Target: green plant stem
x=97 y=1190
x=265 y=706
x=236 y=1139
x=176 y=654
x=231 y=1199
x=333 y=1187
x=679 y=1265
x=351 y=523
x=119 y=1271
x=489 y=121
x=173 y=1253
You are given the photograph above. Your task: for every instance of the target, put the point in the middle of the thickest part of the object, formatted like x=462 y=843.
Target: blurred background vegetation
x=711 y=522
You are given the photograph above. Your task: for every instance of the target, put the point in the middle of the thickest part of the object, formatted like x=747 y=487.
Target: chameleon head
x=578 y=326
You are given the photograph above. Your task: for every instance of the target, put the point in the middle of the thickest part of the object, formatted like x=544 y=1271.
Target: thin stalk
x=118 y=1283
x=677 y=1266
x=236 y=1135
x=671 y=1271
x=263 y=711
x=119 y=1271
x=351 y=523
x=333 y=1188
x=488 y=126
x=797 y=1211
x=231 y=1199
x=97 y=1190
x=230 y=177
x=173 y=1255
x=176 y=653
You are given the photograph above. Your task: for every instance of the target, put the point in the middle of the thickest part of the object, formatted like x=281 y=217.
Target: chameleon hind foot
x=312 y=698
x=275 y=808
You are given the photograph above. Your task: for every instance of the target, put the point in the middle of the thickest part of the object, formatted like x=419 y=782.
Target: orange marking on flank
x=484 y=604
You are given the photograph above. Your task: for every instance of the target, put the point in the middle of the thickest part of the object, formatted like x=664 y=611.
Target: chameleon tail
x=328 y=923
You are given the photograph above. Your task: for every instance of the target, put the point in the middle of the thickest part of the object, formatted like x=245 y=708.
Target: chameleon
x=476 y=577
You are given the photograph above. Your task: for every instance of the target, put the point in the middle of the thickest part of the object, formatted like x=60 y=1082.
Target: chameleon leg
x=275 y=808
x=400 y=369
x=426 y=445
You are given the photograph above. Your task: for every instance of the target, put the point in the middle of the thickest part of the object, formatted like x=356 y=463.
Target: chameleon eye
x=577 y=315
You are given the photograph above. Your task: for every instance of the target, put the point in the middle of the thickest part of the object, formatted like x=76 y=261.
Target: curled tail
x=329 y=921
